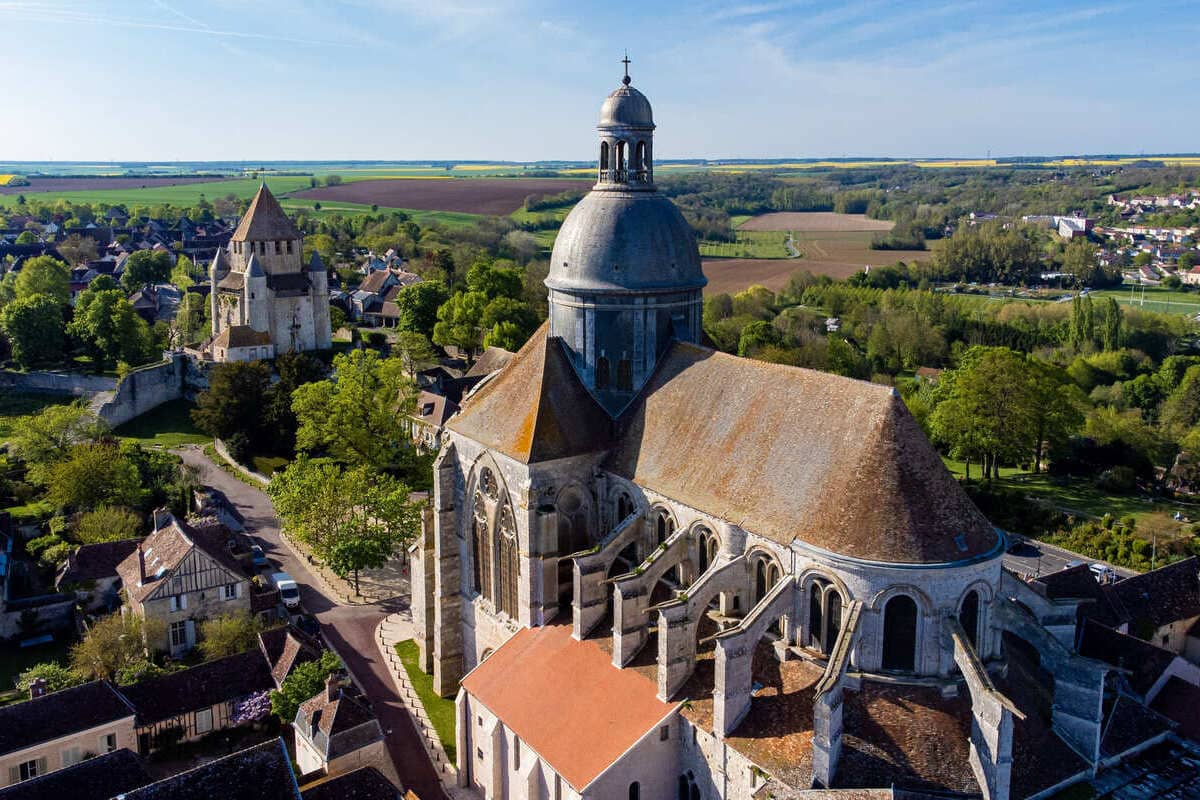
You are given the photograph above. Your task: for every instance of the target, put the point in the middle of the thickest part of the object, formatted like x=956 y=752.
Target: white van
x=289 y=591
x=1104 y=573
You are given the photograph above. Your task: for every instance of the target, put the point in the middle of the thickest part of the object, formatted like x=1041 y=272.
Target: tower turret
x=625 y=274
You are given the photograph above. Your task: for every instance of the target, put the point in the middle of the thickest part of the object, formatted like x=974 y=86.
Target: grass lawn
x=14 y=660
x=14 y=405
x=1153 y=298
x=267 y=465
x=32 y=511
x=181 y=195
x=439 y=709
x=168 y=425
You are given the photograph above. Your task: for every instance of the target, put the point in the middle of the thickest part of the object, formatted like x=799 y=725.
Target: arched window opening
x=481 y=550
x=816 y=624
x=833 y=619
x=572 y=524
x=487 y=482
x=601 y=373
x=635 y=791
x=688 y=790
x=640 y=160
x=760 y=582
x=509 y=564
x=624 y=375
x=707 y=550
x=604 y=156
x=900 y=634
x=620 y=165
x=664 y=526
x=968 y=617
x=625 y=506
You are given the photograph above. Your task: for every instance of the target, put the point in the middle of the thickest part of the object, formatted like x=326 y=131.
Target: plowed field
x=491 y=196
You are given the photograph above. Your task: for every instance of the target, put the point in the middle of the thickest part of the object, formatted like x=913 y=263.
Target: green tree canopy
x=114 y=643
x=418 y=305
x=34 y=328
x=304 y=683
x=494 y=280
x=43 y=438
x=106 y=324
x=460 y=321
x=56 y=676
x=228 y=635
x=233 y=402
x=145 y=267
x=107 y=524
x=91 y=476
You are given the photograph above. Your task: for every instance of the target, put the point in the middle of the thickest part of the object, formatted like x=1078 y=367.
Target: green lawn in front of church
x=168 y=425
x=439 y=709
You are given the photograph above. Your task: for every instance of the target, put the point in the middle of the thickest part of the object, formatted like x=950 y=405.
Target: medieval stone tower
x=625 y=275
x=265 y=300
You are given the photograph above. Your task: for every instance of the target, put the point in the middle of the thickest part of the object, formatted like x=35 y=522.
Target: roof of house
x=262 y=772
x=793 y=453
x=376 y=281
x=92 y=562
x=366 y=783
x=493 y=358
x=566 y=700
x=338 y=726
x=1179 y=701
x=210 y=683
x=535 y=409
x=1145 y=662
x=99 y=778
x=1159 y=597
x=285 y=647
x=265 y=220
x=59 y=714
x=434 y=409
x=1130 y=724
x=161 y=552
x=241 y=336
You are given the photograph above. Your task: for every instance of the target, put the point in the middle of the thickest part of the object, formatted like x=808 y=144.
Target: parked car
x=1104 y=573
x=258 y=558
x=289 y=590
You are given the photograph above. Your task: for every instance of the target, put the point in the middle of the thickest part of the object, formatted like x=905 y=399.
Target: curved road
x=349 y=629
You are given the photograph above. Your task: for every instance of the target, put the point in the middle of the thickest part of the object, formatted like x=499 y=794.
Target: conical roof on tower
x=265 y=220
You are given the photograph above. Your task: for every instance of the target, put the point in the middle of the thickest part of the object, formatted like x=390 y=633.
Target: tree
x=1181 y=409
x=228 y=635
x=506 y=335
x=48 y=436
x=77 y=249
x=353 y=416
x=44 y=275
x=494 y=281
x=34 y=328
x=414 y=350
x=185 y=274
x=114 y=643
x=56 y=676
x=1080 y=260
x=107 y=524
x=192 y=320
x=234 y=400
x=106 y=324
x=460 y=321
x=418 y=305
x=1187 y=261
x=93 y=475
x=27 y=237
x=146 y=267
x=1143 y=259
x=354 y=519
x=295 y=370
x=304 y=683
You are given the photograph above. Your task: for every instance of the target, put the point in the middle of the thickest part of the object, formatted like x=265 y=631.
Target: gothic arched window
x=640 y=160
x=664 y=525
x=481 y=550
x=707 y=549
x=487 y=482
x=604 y=155
x=625 y=506
x=506 y=600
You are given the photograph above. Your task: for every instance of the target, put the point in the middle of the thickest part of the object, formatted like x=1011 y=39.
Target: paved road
x=349 y=629
x=1035 y=558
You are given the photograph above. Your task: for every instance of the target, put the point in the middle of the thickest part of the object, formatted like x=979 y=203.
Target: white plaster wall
x=652 y=762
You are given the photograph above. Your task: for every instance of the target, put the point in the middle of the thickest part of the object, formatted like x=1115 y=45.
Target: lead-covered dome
x=626 y=107
x=625 y=241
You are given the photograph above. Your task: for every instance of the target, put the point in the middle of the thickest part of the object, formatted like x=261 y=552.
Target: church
x=265 y=300
x=652 y=570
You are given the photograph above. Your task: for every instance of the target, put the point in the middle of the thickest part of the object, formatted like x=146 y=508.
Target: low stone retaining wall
x=250 y=474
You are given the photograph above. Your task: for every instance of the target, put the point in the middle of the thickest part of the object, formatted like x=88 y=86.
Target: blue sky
x=523 y=79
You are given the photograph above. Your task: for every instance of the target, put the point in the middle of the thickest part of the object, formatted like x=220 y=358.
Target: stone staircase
x=396 y=628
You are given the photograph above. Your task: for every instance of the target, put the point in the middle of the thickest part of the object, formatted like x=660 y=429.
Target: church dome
x=626 y=107
x=623 y=242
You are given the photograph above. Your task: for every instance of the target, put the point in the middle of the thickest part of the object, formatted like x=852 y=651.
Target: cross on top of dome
x=626 y=80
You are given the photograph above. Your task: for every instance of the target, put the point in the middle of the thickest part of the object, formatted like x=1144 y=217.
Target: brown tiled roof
x=1160 y=597
x=265 y=220
x=793 y=453
x=374 y=282
x=226 y=679
x=389 y=310
x=91 y=562
x=566 y=700
x=59 y=714
x=493 y=358
x=434 y=409
x=262 y=772
x=99 y=778
x=535 y=409
x=234 y=281
x=241 y=336
x=284 y=648
x=159 y=554
x=366 y=783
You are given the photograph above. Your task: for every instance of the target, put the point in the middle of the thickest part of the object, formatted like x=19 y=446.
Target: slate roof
x=1130 y=724
x=339 y=726
x=160 y=553
x=265 y=220
x=285 y=647
x=375 y=282
x=92 y=562
x=210 y=683
x=58 y=714
x=535 y=409
x=566 y=700
x=434 y=409
x=791 y=453
x=262 y=772
x=1144 y=661
x=98 y=778
x=288 y=282
x=241 y=336
x=366 y=783
x=1179 y=701
x=493 y=359
x=1159 y=597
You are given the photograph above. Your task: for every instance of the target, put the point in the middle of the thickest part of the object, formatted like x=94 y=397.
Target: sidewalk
x=396 y=628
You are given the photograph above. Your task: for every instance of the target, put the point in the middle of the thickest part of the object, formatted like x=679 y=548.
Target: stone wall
x=61 y=383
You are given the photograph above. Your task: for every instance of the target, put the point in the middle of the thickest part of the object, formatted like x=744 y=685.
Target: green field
x=14 y=405
x=184 y=195
x=1154 y=298
x=439 y=709
x=749 y=244
x=168 y=425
